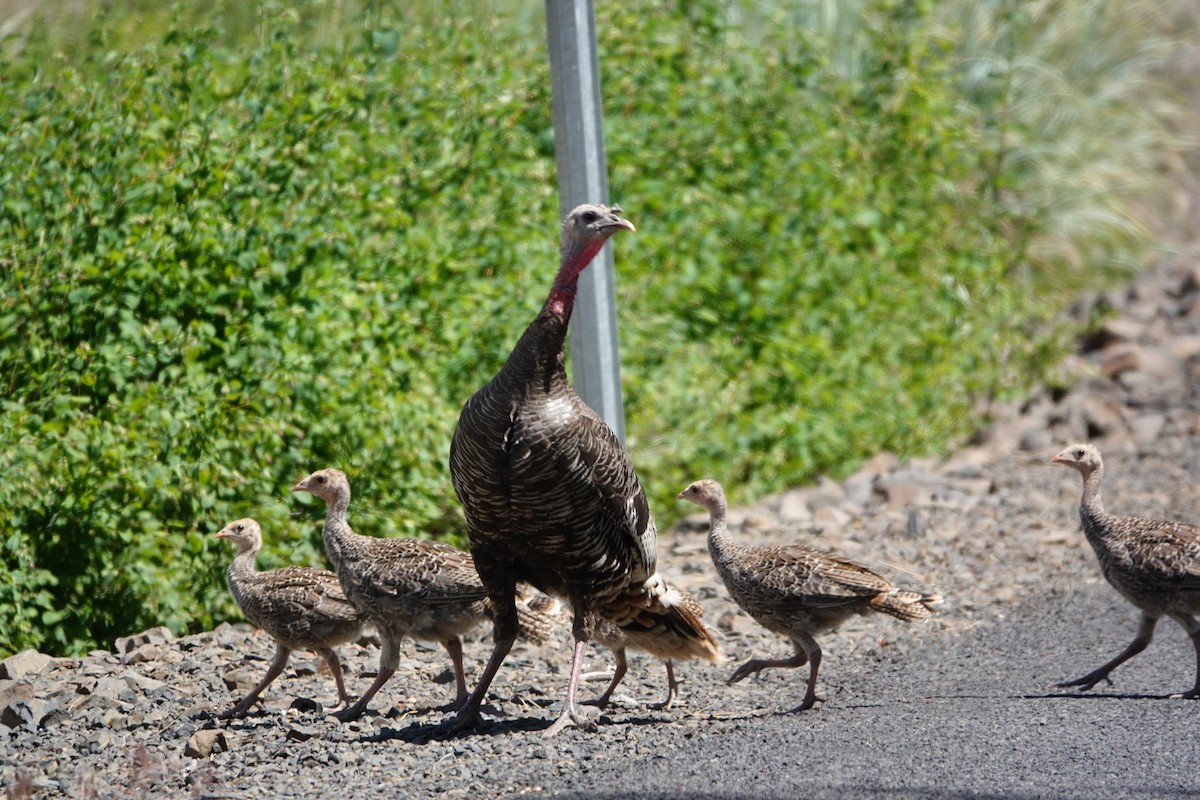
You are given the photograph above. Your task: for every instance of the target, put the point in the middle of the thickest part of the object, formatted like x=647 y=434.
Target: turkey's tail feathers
x=906 y=605
x=667 y=623
x=537 y=615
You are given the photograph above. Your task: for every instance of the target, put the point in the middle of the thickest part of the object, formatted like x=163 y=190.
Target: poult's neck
x=245 y=562
x=719 y=540
x=338 y=506
x=1091 y=501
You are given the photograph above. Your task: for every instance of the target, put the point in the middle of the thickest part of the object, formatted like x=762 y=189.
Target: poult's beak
x=1058 y=459
x=223 y=533
x=300 y=485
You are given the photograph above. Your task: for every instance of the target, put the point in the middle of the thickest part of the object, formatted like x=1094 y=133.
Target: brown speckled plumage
x=301 y=608
x=549 y=493
x=797 y=591
x=649 y=635
x=407 y=587
x=1153 y=563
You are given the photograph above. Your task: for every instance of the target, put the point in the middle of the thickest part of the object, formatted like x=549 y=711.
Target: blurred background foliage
x=242 y=241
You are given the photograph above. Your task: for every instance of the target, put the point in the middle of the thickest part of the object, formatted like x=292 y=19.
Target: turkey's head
x=1083 y=457
x=245 y=533
x=706 y=493
x=326 y=484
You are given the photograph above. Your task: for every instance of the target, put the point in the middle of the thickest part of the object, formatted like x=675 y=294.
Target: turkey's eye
x=589 y=217
x=1079 y=453
x=239 y=528
x=320 y=479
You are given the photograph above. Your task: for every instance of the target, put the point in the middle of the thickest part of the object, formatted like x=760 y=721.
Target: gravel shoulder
x=963 y=706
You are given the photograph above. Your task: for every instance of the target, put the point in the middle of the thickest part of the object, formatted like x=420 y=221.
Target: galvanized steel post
x=582 y=178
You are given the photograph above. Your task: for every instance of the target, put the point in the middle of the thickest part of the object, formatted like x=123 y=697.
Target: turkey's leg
x=1144 y=635
x=335 y=666
x=672 y=688
x=277 y=664
x=389 y=659
x=756 y=665
x=618 y=673
x=504 y=633
x=454 y=647
x=814 y=663
x=570 y=715
x=1193 y=628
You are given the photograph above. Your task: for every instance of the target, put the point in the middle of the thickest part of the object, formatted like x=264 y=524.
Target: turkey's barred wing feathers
x=415 y=569
x=795 y=577
x=671 y=626
x=1162 y=551
x=302 y=605
x=580 y=482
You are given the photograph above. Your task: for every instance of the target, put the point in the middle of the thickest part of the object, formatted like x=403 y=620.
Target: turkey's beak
x=616 y=223
x=680 y=496
x=223 y=533
x=1058 y=459
x=300 y=485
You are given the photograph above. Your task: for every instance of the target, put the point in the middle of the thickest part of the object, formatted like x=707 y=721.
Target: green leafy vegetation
x=242 y=250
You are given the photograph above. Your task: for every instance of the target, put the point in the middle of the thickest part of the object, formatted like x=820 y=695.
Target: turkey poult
x=407 y=587
x=301 y=608
x=549 y=494
x=797 y=591
x=1154 y=564
x=661 y=641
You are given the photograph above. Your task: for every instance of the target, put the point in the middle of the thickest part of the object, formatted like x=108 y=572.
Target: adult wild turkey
x=549 y=494
x=301 y=608
x=1153 y=563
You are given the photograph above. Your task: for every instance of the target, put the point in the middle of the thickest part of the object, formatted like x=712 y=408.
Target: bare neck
x=575 y=257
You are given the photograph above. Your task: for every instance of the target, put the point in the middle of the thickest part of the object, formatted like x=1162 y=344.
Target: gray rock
x=204 y=743
x=825 y=494
x=302 y=733
x=793 y=508
x=127 y=644
x=1146 y=428
x=241 y=680
x=27 y=662
x=31 y=713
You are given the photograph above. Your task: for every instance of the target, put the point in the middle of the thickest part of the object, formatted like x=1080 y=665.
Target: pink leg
x=570 y=714
x=277 y=664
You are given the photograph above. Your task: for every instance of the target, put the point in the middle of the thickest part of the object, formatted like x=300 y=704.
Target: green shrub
x=227 y=261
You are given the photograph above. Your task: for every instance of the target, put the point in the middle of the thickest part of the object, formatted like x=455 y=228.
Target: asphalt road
x=972 y=715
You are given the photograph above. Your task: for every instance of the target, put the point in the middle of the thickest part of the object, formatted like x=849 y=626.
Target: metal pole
x=582 y=178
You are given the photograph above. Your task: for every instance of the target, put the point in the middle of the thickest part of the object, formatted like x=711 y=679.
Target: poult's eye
x=589 y=217
x=320 y=479
x=1079 y=452
x=239 y=528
